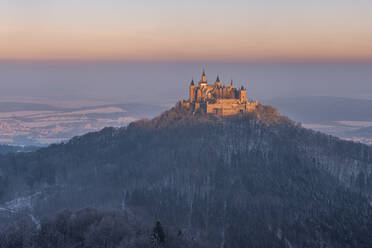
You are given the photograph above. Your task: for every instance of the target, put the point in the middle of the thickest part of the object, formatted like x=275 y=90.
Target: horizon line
x=160 y=61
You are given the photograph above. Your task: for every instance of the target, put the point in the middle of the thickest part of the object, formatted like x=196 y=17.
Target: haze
x=166 y=82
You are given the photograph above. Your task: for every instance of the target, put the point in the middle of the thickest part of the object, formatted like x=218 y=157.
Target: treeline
x=92 y=228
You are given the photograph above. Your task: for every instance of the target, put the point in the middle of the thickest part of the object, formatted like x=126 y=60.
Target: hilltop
x=254 y=179
x=181 y=115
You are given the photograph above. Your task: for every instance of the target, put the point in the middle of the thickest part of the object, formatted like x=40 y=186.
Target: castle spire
x=192 y=82
x=218 y=82
x=204 y=80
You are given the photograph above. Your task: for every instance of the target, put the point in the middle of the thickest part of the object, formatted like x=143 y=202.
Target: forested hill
x=253 y=180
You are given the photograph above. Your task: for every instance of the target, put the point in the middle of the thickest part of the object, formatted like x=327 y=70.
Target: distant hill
x=323 y=109
x=365 y=132
x=5 y=149
x=251 y=180
x=19 y=106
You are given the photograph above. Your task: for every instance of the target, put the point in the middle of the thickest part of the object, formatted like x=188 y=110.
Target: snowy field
x=53 y=124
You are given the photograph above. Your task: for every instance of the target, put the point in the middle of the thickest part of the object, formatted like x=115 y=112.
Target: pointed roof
x=218 y=79
x=203 y=79
x=192 y=82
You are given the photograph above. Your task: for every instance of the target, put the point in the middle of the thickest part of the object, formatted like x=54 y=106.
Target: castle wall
x=242 y=95
x=225 y=107
x=228 y=107
x=251 y=106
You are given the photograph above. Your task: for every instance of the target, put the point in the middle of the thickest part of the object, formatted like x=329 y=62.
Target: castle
x=217 y=98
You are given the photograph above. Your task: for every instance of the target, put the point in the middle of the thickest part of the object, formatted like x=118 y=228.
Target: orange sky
x=189 y=30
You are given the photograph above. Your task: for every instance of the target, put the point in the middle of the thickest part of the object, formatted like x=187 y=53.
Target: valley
x=41 y=124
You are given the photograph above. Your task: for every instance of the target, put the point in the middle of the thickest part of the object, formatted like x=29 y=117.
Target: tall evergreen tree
x=158 y=236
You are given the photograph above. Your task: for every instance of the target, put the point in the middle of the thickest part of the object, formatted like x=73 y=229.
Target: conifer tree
x=158 y=236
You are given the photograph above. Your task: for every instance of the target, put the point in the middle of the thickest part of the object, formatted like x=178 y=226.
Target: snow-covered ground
x=21 y=203
x=40 y=127
x=357 y=131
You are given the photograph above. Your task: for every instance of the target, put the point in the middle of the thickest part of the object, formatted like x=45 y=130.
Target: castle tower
x=243 y=94
x=204 y=79
x=218 y=82
x=198 y=95
x=192 y=91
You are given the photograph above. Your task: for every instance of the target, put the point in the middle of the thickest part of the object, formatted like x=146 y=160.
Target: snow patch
x=21 y=203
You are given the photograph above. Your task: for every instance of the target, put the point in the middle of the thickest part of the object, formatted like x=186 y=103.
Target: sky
x=168 y=30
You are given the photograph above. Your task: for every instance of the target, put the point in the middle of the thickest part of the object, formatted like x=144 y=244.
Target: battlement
x=218 y=98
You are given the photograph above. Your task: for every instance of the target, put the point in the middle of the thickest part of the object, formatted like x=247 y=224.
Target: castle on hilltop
x=217 y=98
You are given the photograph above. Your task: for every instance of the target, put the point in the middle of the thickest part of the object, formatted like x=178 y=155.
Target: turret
x=198 y=95
x=218 y=82
x=192 y=91
x=204 y=79
x=242 y=94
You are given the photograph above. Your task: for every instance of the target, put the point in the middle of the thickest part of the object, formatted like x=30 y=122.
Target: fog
x=166 y=82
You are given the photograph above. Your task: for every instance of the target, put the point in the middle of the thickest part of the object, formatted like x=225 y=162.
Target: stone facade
x=217 y=98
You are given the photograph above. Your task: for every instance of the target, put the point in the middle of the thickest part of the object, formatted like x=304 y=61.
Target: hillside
x=253 y=180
